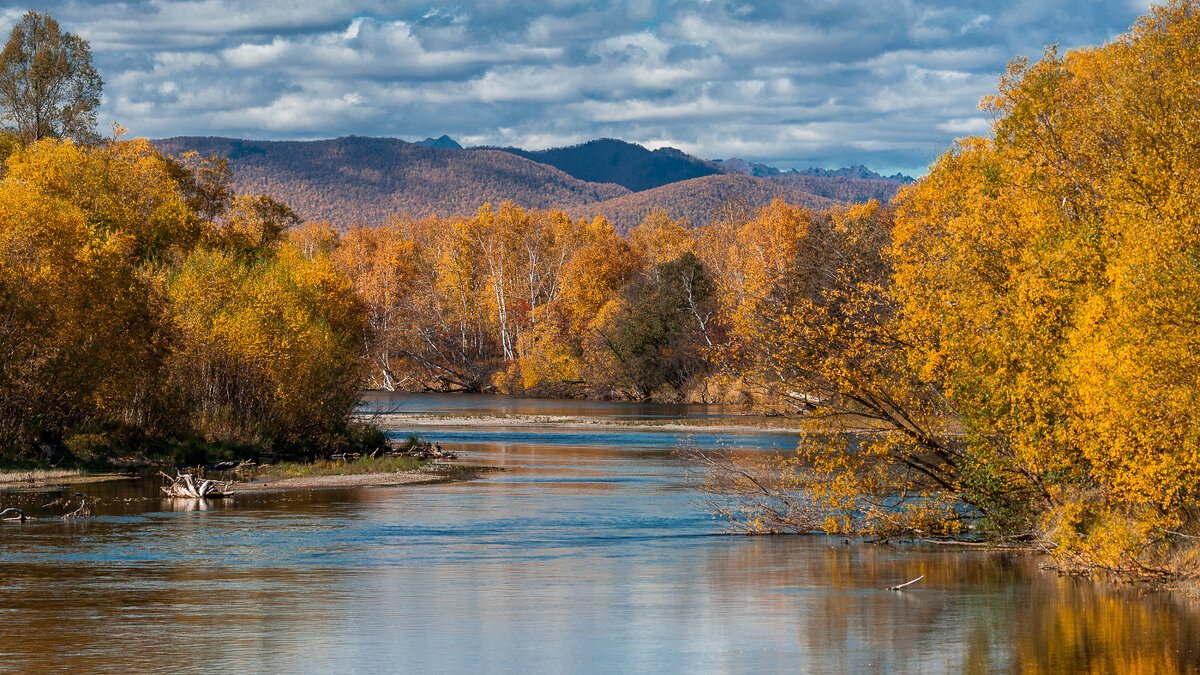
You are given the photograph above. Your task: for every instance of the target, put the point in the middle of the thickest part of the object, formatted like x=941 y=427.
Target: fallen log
x=83 y=511
x=4 y=515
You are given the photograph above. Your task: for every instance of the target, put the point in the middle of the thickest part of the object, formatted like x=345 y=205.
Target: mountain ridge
x=699 y=200
x=355 y=179
x=611 y=160
x=856 y=171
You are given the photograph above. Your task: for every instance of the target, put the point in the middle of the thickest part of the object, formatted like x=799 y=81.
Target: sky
x=793 y=83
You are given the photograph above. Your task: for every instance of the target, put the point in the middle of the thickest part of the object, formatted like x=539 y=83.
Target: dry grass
x=38 y=475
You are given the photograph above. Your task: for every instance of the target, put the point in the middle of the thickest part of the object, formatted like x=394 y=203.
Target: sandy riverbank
x=757 y=424
x=439 y=473
x=41 y=480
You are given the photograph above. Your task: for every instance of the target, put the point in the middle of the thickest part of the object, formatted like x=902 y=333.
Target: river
x=587 y=553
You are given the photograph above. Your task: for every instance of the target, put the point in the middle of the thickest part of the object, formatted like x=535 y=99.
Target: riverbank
x=430 y=473
x=40 y=480
x=389 y=421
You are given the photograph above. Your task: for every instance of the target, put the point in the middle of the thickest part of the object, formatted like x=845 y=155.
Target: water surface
x=587 y=553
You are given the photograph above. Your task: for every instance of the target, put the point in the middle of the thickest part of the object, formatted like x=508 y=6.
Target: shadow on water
x=585 y=554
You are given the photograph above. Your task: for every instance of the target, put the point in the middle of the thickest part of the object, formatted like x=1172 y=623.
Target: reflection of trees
x=973 y=612
x=1107 y=630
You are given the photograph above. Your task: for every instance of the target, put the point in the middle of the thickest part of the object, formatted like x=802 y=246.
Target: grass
x=17 y=478
x=336 y=467
x=36 y=475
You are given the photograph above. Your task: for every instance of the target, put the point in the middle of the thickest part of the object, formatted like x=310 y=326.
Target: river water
x=587 y=553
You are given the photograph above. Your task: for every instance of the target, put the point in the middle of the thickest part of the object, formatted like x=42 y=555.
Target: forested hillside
x=700 y=200
x=368 y=180
x=353 y=180
x=840 y=188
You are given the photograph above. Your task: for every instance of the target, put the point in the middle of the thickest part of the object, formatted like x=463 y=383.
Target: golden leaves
x=129 y=306
x=1052 y=272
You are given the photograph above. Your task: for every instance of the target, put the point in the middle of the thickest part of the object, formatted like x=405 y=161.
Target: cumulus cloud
x=794 y=83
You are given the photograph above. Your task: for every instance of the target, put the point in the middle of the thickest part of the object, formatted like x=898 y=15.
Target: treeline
x=533 y=302
x=144 y=307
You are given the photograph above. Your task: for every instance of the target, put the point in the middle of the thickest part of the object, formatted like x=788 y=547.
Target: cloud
x=794 y=83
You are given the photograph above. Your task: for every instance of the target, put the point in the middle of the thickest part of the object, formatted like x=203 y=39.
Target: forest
x=1008 y=351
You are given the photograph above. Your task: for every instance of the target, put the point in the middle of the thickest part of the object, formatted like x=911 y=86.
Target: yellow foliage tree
x=96 y=243
x=659 y=238
x=1036 y=332
x=1060 y=271
x=266 y=347
x=381 y=265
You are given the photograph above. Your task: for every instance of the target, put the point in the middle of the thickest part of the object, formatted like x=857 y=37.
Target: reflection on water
x=586 y=554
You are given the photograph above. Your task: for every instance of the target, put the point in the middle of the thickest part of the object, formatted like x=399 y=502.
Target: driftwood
x=232 y=465
x=186 y=486
x=425 y=450
x=4 y=515
x=907 y=583
x=82 y=512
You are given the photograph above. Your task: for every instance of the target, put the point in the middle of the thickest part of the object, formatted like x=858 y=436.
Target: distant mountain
x=849 y=184
x=353 y=179
x=842 y=189
x=442 y=141
x=700 y=200
x=739 y=165
x=858 y=171
x=609 y=160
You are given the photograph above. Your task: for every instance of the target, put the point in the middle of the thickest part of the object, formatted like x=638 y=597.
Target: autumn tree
x=76 y=331
x=1065 y=254
x=48 y=86
x=132 y=298
x=1026 y=366
x=650 y=334
x=812 y=329
x=381 y=265
x=659 y=239
x=84 y=336
x=452 y=343
x=267 y=348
